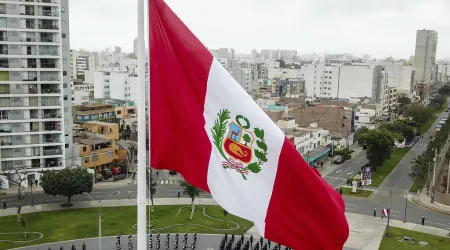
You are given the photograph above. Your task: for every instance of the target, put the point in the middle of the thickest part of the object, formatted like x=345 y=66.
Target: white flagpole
x=142 y=149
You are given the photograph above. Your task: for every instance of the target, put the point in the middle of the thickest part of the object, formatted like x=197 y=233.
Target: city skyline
x=388 y=28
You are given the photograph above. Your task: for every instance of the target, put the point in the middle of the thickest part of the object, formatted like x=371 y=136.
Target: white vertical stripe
x=249 y=198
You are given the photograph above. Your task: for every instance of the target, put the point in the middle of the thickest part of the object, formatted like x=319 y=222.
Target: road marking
x=335 y=178
x=395 y=211
x=349 y=173
x=337 y=172
x=440 y=224
x=349 y=208
x=348 y=204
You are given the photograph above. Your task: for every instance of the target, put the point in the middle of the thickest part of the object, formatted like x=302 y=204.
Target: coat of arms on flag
x=236 y=143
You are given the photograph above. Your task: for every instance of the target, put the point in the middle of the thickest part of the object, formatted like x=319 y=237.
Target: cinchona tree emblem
x=236 y=143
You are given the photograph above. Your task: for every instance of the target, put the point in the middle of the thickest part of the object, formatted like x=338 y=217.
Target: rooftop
x=101 y=123
x=93 y=141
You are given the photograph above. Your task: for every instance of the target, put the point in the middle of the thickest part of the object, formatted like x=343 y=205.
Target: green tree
x=378 y=144
x=67 y=182
x=247 y=139
x=225 y=213
x=419 y=114
x=192 y=191
x=404 y=100
x=151 y=184
x=346 y=153
x=401 y=128
x=445 y=91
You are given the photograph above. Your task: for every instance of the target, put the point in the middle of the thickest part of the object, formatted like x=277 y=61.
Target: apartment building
x=35 y=94
x=425 y=56
x=123 y=109
x=94 y=112
x=400 y=76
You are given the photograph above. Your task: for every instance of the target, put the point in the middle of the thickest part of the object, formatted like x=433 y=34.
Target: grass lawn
x=417 y=185
x=83 y=223
x=388 y=166
x=359 y=192
x=395 y=234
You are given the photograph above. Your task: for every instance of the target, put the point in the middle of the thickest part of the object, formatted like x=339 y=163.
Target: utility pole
x=448 y=177
x=434 y=169
x=406 y=205
x=389 y=212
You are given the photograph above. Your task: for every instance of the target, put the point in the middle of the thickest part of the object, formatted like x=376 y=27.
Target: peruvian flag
x=385 y=212
x=206 y=127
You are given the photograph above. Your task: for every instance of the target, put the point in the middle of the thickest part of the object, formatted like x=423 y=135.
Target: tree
x=225 y=213
x=346 y=153
x=151 y=184
x=247 y=139
x=23 y=223
x=419 y=114
x=445 y=90
x=378 y=144
x=21 y=191
x=401 y=128
x=67 y=182
x=192 y=191
x=404 y=100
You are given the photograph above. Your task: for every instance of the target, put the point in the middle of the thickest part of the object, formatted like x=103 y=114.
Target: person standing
x=375 y=212
x=423 y=221
x=4 y=204
x=36 y=182
x=178 y=193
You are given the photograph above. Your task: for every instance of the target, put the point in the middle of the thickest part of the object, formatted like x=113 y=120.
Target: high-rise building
x=135 y=47
x=117 y=50
x=35 y=94
x=425 y=56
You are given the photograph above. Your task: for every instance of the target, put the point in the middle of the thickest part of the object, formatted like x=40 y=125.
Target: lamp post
x=406 y=206
x=100 y=216
x=389 y=212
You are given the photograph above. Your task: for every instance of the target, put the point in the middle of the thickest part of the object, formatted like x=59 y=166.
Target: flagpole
x=142 y=132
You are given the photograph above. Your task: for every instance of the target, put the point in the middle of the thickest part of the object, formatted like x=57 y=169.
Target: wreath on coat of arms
x=236 y=144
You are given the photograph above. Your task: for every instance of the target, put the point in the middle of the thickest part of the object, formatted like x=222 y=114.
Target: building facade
x=35 y=94
x=425 y=56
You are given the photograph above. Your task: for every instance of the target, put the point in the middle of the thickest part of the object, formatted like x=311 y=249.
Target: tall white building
x=35 y=94
x=115 y=85
x=400 y=76
x=425 y=56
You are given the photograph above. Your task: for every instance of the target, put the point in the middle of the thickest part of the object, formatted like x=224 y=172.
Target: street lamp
x=100 y=216
x=406 y=205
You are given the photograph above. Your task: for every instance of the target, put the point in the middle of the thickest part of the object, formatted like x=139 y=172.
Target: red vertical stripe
x=304 y=212
x=179 y=69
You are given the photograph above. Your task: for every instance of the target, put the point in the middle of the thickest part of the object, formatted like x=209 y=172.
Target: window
x=64 y=85
x=65 y=98
x=110 y=154
x=119 y=112
x=95 y=158
x=63 y=35
x=84 y=149
x=63 y=10
x=64 y=73
x=67 y=145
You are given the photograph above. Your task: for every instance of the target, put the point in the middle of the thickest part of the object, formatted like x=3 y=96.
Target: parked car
x=446 y=110
x=106 y=174
x=171 y=172
x=116 y=171
x=338 y=159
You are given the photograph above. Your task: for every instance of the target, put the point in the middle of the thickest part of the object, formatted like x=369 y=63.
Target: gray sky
x=376 y=27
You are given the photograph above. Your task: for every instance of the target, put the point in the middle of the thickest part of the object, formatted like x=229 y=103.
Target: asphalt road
x=342 y=172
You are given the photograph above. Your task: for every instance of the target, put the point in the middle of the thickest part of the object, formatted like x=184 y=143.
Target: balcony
x=47 y=13
x=3 y=52
x=51 y=126
x=4 y=65
x=48 y=27
x=29 y=25
x=3 y=38
x=50 y=115
x=30 y=79
x=50 y=91
x=52 y=152
x=31 y=65
x=48 y=40
x=30 y=91
x=50 y=78
x=51 y=103
x=29 y=12
x=51 y=140
x=48 y=65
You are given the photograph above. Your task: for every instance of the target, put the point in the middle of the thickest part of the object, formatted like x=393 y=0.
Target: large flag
x=206 y=127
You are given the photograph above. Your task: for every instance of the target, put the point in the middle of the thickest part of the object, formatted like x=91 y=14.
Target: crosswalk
x=164 y=182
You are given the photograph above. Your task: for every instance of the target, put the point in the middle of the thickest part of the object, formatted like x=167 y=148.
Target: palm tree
x=192 y=192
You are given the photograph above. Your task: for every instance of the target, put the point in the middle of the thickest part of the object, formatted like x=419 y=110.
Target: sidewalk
x=99 y=185
x=425 y=201
x=366 y=232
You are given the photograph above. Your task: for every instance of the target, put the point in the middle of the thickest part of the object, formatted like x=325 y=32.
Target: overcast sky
x=376 y=27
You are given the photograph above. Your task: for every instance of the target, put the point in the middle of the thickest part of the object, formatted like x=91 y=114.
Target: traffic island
x=362 y=193
x=400 y=238
x=70 y=224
